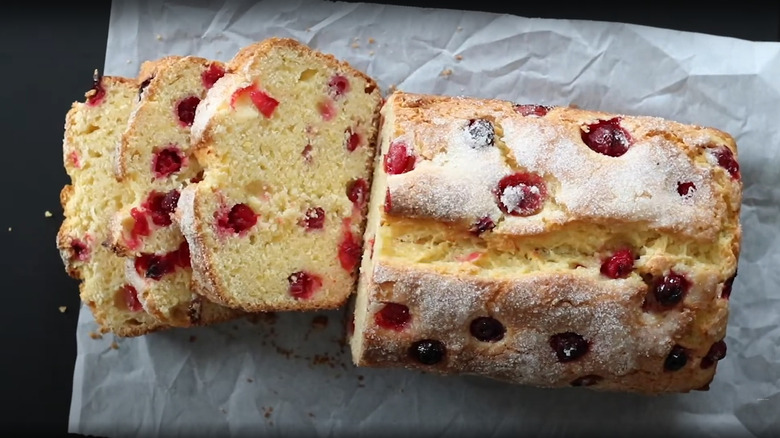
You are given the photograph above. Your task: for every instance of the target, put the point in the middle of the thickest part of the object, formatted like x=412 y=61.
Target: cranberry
x=349 y=252
x=304 y=284
x=357 y=192
x=670 y=289
x=154 y=266
x=98 y=92
x=262 y=101
x=607 y=137
x=569 y=346
x=211 y=75
x=521 y=194
x=314 y=219
x=240 y=218
x=532 y=110
x=482 y=225
x=388 y=201
x=131 y=298
x=487 y=329
x=618 y=265
x=398 y=159
x=589 y=380
x=327 y=110
x=73 y=156
x=726 y=291
x=79 y=250
x=353 y=140
x=181 y=257
x=143 y=86
x=186 y=110
x=167 y=161
x=428 y=351
x=141 y=225
x=727 y=161
x=686 y=189
x=716 y=352
x=392 y=316
x=676 y=359
x=306 y=153
x=338 y=86
x=161 y=206
x=482 y=133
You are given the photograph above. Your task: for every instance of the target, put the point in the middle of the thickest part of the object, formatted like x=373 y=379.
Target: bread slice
x=287 y=142
x=92 y=129
x=153 y=163
x=548 y=246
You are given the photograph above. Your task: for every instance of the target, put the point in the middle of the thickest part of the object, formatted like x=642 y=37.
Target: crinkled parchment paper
x=293 y=376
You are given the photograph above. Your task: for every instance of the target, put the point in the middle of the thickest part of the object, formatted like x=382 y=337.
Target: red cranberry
x=79 y=250
x=589 y=380
x=727 y=161
x=131 y=299
x=726 y=291
x=716 y=352
x=392 y=316
x=186 y=110
x=181 y=257
x=161 y=206
x=676 y=359
x=428 y=351
x=521 y=194
x=482 y=133
x=98 y=92
x=482 y=225
x=262 y=101
x=73 y=156
x=306 y=153
x=314 y=219
x=388 y=201
x=532 y=110
x=240 y=218
x=487 y=329
x=349 y=252
x=619 y=265
x=141 y=225
x=338 y=86
x=357 y=192
x=607 y=137
x=353 y=140
x=154 y=266
x=686 y=189
x=304 y=284
x=167 y=161
x=569 y=346
x=211 y=75
x=327 y=110
x=398 y=159
x=670 y=289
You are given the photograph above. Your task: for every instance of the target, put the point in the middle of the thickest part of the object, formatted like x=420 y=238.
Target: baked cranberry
x=262 y=101
x=211 y=75
x=327 y=110
x=676 y=359
x=618 y=265
x=725 y=293
x=670 y=289
x=185 y=109
x=79 y=250
x=428 y=351
x=727 y=161
x=154 y=266
x=569 y=346
x=98 y=92
x=167 y=161
x=392 y=316
x=686 y=189
x=482 y=225
x=607 y=137
x=161 y=206
x=181 y=257
x=482 y=133
x=131 y=298
x=73 y=156
x=398 y=159
x=532 y=110
x=304 y=284
x=353 y=140
x=314 y=219
x=388 y=201
x=306 y=153
x=589 y=380
x=338 y=86
x=716 y=352
x=141 y=225
x=349 y=252
x=240 y=218
x=470 y=257
x=521 y=194
x=357 y=192
x=487 y=329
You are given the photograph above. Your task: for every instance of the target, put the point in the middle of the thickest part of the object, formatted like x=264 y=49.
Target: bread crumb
x=47 y=213
x=459 y=57
x=159 y=37
x=308 y=29
x=311 y=414
x=129 y=61
x=371 y=41
x=355 y=45
x=370 y=53
x=446 y=73
x=114 y=345
x=460 y=28
x=63 y=309
x=250 y=380
x=223 y=410
x=95 y=335
x=9 y=229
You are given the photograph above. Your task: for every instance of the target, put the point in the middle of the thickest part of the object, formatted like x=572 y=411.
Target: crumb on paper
x=267 y=411
x=47 y=213
x=308 y=29
x=370 y=53
x=250 y=380
x=219 y=52
x=355 y=45
x=9 y=229
x=95 y=335
x=311 y=414
x=159 y=37
x=459 y=57
x=193 y=338
x=114 y=345
x=223 y=410
x=460 y=28
x=63 y=309
x=447 y=72
x=129 y=61
x=371 y=41
x=319 y=322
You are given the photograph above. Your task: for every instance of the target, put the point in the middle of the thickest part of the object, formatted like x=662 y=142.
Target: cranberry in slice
x=79 y=250
x=326 y=109
x=357 y=192
x=314 y=219
x=353 y=140
x=716 y=352
x=487 y=329
x=676 y=359
x=306 y=153
x=167 y=161
x=727 y=161
x=392 y=316
x=153 y=266
x=686 y=189
x=98 y=92
x=521 y=194
x=211 y=75
x=161 y=206
x=303 y=284
x=670 y=289
x=589 y=380
x=398 y=159
x=569 y=346
x=428 y=351
x=482 y=133
x=131 y=298
x=482 y=225
x=338 y=86
x=181 y=256
x=262 y=101
x=185 y=109
x=349 y=252
x=240 y=218
x=607 y=137
x=141 y=225
x=618 y=265
x=725 y=293
x=531 y=110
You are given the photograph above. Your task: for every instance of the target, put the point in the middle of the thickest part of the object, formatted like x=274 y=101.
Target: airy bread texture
x=548 y=246
x=153 y=162
x=92 y=129
x=286 y=140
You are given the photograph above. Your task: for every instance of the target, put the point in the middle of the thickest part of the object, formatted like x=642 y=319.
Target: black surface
x=48 y=58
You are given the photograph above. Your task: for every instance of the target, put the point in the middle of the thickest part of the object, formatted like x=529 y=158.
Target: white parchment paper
x=292 y=376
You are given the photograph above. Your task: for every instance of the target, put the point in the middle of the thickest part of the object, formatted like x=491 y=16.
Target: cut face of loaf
x=286 y=142
x=92 y=129
x=153 y=163
x=548 y=246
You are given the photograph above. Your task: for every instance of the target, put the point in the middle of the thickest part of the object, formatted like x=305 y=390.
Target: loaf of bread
x=548 y=246
x=286 y=141
x=92 y=129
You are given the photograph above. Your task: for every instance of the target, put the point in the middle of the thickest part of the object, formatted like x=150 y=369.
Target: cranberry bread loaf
x=153 y=163
x=287 y=141
x=548 y=246
x=92 y=129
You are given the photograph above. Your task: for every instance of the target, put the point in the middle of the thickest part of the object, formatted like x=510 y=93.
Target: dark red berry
x=716 y=352
x=161 y=206
x=618 y=265
x=607 y=137
x=185 y=109
x=306 y=153
x=349 y=252
x=304 y=284
x=211 y=75
x=154 y=266
x=131 y=298
x=521 y=194
x=167 y=161
x=428 y=351
x=353 y=140
x=482 y=133
x=79 y=250
x=98 y=92
x=487 y=329
x=727 y=285
x=264 y=103
x=240 y=218
x=686 y=189
x=482 y=225
x=676 y=359
x=670 y=289
x=532 y=110
x=314 y=219
x=727 y=161
x=392 y=316
x=338 y=86
x=569 y=346
x=589 y=380
x=398 y=159
x=141 y=225
x=357 y=192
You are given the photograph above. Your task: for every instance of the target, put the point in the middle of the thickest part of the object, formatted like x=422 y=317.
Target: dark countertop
x=48 y=58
